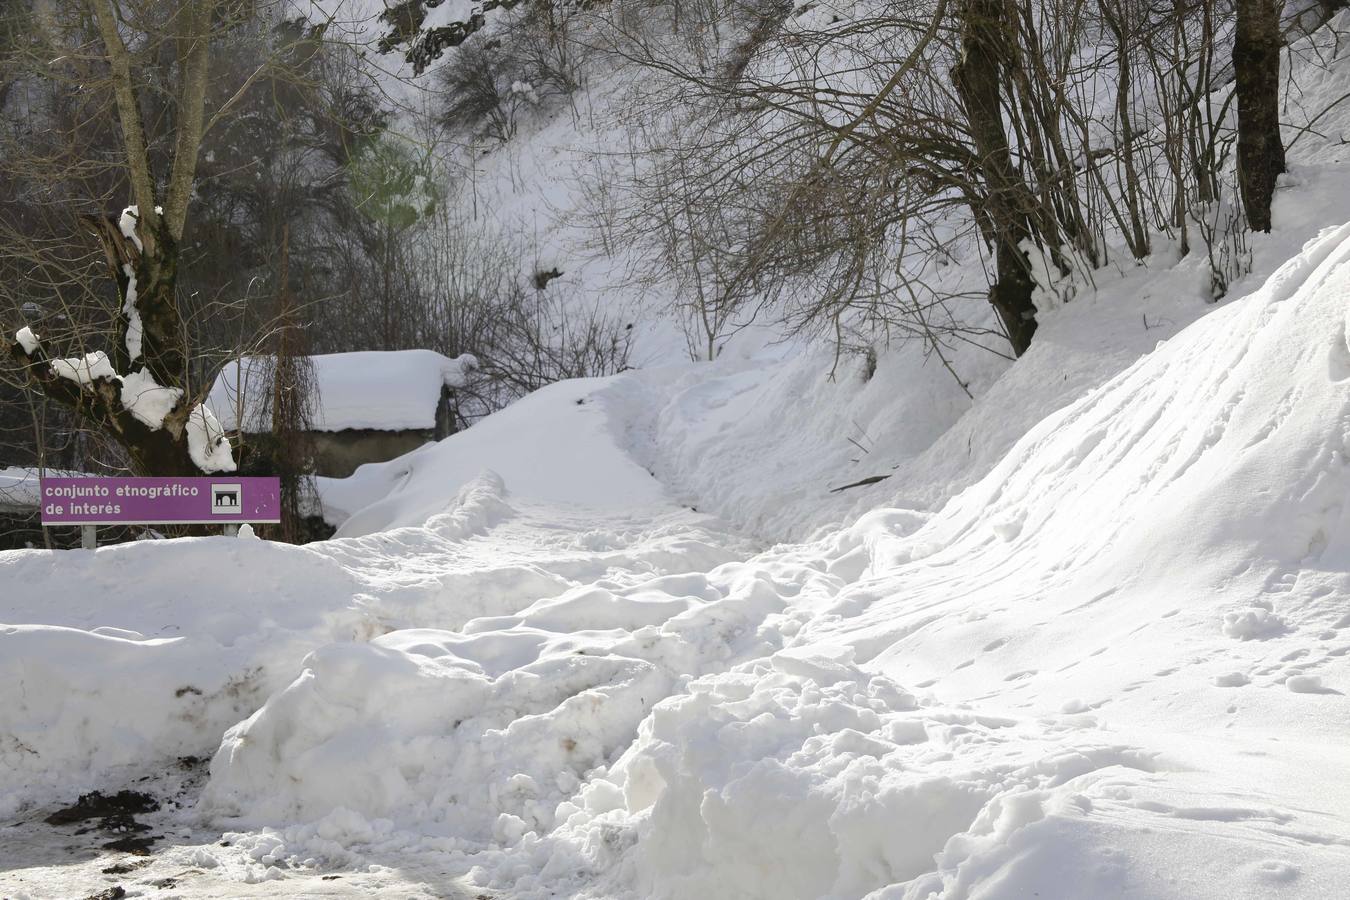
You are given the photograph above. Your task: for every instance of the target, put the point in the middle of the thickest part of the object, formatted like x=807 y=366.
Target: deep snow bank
x=1125 y=643
x=481 y=733
x=148 y=650
x=1092 y=603
x=152 y=650
x=553 y=445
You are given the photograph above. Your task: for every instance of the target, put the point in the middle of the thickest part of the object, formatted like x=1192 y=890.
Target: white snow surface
x=128 y=222
x=381 y=390
x=1069 y=679
x=27 y=339
x=135 y=327
x=207 y=445
x=555 y=445
x=1090 y=638
x=1114 y=664
x=147 y=399
x=85 y=370
x=19 y=487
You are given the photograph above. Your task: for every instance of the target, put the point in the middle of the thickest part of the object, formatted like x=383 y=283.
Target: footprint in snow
x=1275 y=870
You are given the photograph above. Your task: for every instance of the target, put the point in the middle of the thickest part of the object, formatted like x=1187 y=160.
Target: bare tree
x=148 y=66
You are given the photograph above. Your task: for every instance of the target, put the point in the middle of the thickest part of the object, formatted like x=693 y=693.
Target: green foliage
x=392 y=183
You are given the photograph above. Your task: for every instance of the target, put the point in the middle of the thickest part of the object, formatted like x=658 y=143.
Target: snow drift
x=1090 y=646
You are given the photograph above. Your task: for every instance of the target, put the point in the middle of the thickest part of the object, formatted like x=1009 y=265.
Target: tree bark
x=1008 y=200
x=1256 y=63
x=144 y=267
x=162 y=451
x=129 y=116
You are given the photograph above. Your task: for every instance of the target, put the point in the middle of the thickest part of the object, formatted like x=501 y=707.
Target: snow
x=1088 y=638
x=19 y=486
x=127 y=223
x=1064 y=679
x=174 y=642
x=85 y=370
x=18 y=489
x=554 y=445
x=385 y=391
x=142 y=396
x=135 y=329
x=27 y=339
x=207 y=445
x=147 y=400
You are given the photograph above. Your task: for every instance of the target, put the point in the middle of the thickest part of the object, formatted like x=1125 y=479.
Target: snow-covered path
x=1113 y=664
x=487 y=557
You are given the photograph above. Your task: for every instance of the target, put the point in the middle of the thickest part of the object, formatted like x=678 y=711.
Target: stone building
x=364 y=407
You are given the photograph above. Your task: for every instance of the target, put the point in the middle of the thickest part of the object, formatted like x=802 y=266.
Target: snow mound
x=481 y=733
x=554 y=445
x=151 y=650
x=999 y=699
x=806 y=778
x=436 y=711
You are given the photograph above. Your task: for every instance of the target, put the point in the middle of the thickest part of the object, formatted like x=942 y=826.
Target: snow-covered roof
x=19 y=487
x=393 y=390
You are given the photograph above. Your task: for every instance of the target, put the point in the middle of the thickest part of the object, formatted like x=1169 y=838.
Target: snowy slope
x=1113 y=666
x=554 y=445
x=1088 y=639
x=1112 y=661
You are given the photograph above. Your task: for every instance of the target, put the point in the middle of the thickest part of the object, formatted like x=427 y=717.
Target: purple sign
x=160 y=501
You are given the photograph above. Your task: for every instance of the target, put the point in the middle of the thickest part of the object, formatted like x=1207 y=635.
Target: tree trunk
x=1256 y=62
x=1008 y=200
x=150 y=352
x=161 y=451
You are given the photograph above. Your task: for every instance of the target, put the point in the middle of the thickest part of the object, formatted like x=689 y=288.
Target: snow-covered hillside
x=1114 y=665
x=1083 y=634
